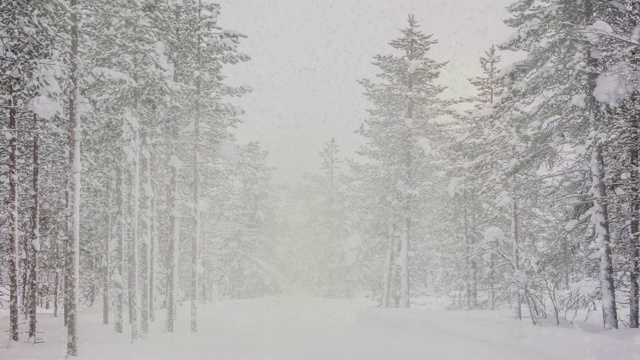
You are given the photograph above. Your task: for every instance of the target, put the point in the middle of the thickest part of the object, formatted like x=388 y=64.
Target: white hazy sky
x=308 y=54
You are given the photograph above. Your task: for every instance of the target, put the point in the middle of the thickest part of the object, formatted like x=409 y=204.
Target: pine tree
x=562 y=67
x=400 y=129
x=26 y=42
x=469 y=176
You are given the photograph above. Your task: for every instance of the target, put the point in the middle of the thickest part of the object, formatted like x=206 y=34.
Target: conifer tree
x=400 y=130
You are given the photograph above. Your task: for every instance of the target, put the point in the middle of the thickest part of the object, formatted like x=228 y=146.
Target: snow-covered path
x=312 y=328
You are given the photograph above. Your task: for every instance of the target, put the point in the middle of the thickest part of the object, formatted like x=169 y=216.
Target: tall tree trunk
x=394 y=281
x=516 y=255
x=599 y=216
x=492 y=276
x=56 y=285
x=107 y=261
x=404 y=264
x=146 y=234
x=174 y=229
x=73 y=249
x=35 y=237
x=119 y=283
x=533 y=312
x=174 y=239
x=65 y=246
x=134 y=294
x=152 y=259
x=93 y=270
x=133 y=256
x=515 y=226
x=633 y=278
x=13 y=221
x=474 y=263
x=196 y=187
x=129 y=246
x=601 y=223
x=467 y=253
x=387 y=268
x=634 y=271
x=24 y=283
x=634 y=207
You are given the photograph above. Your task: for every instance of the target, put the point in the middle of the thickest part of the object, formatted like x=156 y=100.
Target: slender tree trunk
x=634 y=207
x=174 y=229
x=474 y=264
x=65 y=246
x=404 y=264
x=203 y=285
x=107 y=262
x=515 y=228
x=196 y=188
x=35 y=237
x=174 y=239
x=634 y=272
x=387 y=269
x=73 y=249
x=93 y=271
x=394 y=280
x=633 y=275
x=516 y=255
x=129 y=246
x=56 y=285
x=134 y=294
x=152 y=260
x=13 y=221
x=531 y=305
x=467 y=255
x=146 y=235
x=119 y=283
x=24 y=283
x=492 y=277
x=133 y=256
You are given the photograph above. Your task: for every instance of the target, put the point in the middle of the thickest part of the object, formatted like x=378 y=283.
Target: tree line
x=119 y=131
x=526 y=194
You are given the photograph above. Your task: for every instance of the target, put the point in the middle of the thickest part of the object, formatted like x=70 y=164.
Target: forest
x=127 y=197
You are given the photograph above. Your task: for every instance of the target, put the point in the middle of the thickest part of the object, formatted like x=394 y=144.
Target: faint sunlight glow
x=307 y=56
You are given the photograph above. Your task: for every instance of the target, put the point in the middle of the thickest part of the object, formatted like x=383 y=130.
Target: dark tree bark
x=634 y=207
x=13 y=222
x=35 y=234
x=71 y=292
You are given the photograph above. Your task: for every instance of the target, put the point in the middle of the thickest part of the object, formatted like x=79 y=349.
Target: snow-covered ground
x=299 y=327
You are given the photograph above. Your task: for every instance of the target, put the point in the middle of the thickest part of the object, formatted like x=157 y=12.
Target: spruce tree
x=400 y=131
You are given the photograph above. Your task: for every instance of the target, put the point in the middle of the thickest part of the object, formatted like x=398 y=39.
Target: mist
x=319 y=180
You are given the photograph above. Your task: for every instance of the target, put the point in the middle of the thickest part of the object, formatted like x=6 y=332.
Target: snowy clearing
x=314 y=328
